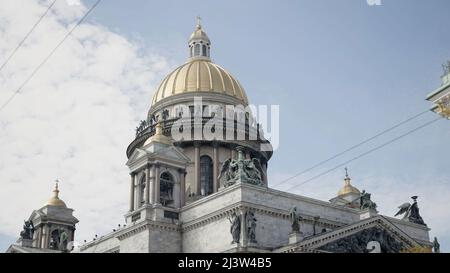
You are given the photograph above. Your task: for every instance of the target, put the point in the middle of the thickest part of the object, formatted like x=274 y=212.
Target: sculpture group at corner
x=241 y=170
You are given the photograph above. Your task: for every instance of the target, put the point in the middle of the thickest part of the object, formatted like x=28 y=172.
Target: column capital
x=182 y=171
x=197 y=144
x=215 y=144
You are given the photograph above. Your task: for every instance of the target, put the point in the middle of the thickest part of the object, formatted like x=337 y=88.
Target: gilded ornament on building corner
x=444 y=108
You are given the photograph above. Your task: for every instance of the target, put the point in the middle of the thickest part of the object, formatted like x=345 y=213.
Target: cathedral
x=191 y=192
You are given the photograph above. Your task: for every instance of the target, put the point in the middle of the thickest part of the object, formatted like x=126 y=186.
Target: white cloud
x=74 y=119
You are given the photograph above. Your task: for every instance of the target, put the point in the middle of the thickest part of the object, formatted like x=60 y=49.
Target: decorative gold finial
x=346 y=172
x=56 y=190
x=199 y=21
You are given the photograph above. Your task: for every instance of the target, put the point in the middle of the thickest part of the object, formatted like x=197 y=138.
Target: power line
x=49 y=56
x=26 y=36
x=365 y=153
x=352 y=147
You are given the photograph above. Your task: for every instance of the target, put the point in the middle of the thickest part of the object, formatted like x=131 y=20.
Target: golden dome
x=348 y=188
x=199 y=75
x=55 y=201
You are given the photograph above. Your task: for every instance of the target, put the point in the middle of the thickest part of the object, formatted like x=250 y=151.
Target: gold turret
x=55 y=201
x=159 y=136
x=348 y=188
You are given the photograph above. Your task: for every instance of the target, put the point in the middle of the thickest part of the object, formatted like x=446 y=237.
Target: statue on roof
x=366 y=202
x=28 y=230
x=295 y=219
x=411 y=212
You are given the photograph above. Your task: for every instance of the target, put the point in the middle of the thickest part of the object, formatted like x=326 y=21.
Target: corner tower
x=48 y=229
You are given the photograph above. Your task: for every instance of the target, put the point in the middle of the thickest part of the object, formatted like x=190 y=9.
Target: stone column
x=176 y=193
x=147 y=185
x=133 y=178
x=45 y=236
x=136 y=192
x=243 y=228
x=152 y=184
x=197 y=168
x=157 y=185
x=265 y=174
x=182 y=173
x=215 y=166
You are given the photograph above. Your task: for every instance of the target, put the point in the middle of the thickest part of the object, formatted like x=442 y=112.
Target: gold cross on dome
x=199 y=20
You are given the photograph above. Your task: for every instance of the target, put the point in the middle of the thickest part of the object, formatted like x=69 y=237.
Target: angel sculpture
x=253 y=170
x=411 y=212
x=226 y=176
x=241 y=170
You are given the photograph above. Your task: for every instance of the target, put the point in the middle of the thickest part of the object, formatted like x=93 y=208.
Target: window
x=197 y=50
x=206 y=175
x=204 y=50
x=142 y=189
x=166 y=189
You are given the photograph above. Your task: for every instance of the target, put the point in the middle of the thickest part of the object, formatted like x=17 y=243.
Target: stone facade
x=204 y=226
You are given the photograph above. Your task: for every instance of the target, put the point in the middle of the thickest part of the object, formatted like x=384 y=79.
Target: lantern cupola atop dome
x=199 y=43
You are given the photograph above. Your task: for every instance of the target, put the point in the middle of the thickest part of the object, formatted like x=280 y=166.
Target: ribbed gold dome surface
x=348 y=189
x=199 y=75
x=55 y=201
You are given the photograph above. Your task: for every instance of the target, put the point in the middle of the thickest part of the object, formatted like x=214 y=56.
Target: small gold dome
x=199 y=75
x=199 y=34
x=348 y=188
x=159 y=136
x=55 y=201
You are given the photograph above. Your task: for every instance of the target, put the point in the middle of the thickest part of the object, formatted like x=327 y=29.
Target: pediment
x=373 y=234
x=158 y=151
x=137 y=153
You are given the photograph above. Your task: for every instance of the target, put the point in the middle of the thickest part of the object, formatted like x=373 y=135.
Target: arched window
x=166 y=184
x=142 y=189
x=206 y=175
x=204 y=50
x=197 y=50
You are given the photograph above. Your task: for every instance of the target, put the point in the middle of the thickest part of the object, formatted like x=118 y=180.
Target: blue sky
x=341 y=72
